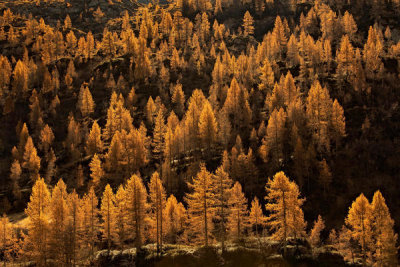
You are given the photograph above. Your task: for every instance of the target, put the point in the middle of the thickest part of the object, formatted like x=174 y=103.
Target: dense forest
x=172 y=129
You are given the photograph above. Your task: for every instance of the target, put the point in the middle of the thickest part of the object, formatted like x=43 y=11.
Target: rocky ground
x=264 y=253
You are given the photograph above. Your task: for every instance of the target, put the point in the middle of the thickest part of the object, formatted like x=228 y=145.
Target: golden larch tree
x=221 y=188
x=90 y=226
x=208 y=125
x=157 y=205
x=31 y=160
x=58 y=215
x=94 y=144
x=272 y=144
x=285 y=218
x=137 y=207
x=108 y=214
x=238 y=217
x=248 y=24
x=121 y=216
x=175 y=219
x=37 y=211
x=201 y=206
x=315 y=234
x=257 y=219
x=384 y=251
x=96 y=171
x=358 y=222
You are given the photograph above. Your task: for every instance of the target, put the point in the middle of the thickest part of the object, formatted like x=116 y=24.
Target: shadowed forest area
x=199 y=132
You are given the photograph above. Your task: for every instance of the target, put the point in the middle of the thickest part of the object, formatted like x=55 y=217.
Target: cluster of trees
x=65 y=227
x=163 y=89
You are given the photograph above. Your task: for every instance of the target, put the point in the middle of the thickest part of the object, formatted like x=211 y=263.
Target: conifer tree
x=201 y=206
x=7 y=239
x=315 y=234
x=178 y=99
x=38 y=213
x=248 y=24
x=108 y=214
x=137 y=207
x=74 y=228
x=318 y=109
x=238 y=217
x=272 y=144
x=267 y=76
x=90 y=225
x=175 y=218
x=94 y=144
x=338 y=123
x=256 y=216
x=96 y=171
x=121 y=217
x=58 y=215
x=221 y=189
x=31 y=159
x=85 y=101
x=157 y=203
x=384 y=251
x=158 y=135
x=349 y=25
x=286 y=217
x=358 y=222
x=345 y=59
x=15 y=175
x=46 y=138
x=208 y=125
x=20 y=78
x=109 y=44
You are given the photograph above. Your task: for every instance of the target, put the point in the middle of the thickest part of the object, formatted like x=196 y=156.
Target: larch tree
x=157 y=205
x=121 y=217
x=221 y=188
x=318 y=110
x=96 y=171
x=94 y=144
x=46 y=138
x=20 y=78
x=257 y=219
x=248 y=24
x=325 y=175
x=74 y=227
x=201 y=206
x=137 y=207
x=272 y=144
x=238 y=217
x=358 y=221
x=158 y=135
x=208 y=126
x=178 y=99
x=384 y=251
x=7 y=238
x=109 y=44
x=91 y=223
x=31 y=160
x=58 y=215
x=108 y=214
x=315 y=234
x=338 y=123
x=175 y=218
x=345 y=59
x=285 y=218
x=267 y=76
x=85 y=101
x=38 y=224
x=15 y=175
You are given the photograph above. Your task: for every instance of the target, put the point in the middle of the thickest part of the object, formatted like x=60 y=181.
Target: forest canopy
x=213 y=124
